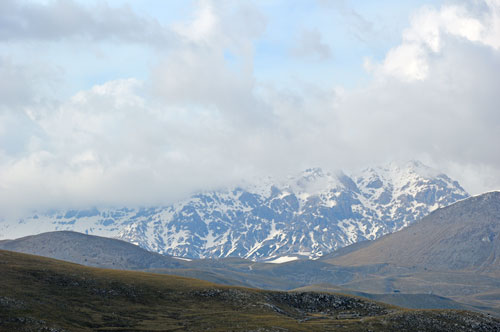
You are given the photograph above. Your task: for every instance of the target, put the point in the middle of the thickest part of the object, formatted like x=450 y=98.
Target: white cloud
x=407 y=62
x=429 y=27
x=202 y=27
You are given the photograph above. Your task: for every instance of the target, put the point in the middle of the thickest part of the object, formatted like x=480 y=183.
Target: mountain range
x=450 y=253
x=310 y=214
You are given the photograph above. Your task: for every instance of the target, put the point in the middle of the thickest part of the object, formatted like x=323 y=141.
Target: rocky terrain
x=310 y=214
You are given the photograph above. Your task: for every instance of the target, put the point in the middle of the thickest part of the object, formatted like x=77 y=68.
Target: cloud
x=435 y=97
x=103 y=146
x=129 y=141
x=203 y=27
x=310 y=45
x=25 y=84
x=202 y=120
x=431 y=28
x=358 y=26
x=116 y=145
x=66 y=19
x=199 y=73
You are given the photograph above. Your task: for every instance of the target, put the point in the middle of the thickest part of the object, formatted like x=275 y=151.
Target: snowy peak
x=309 y=214
x=315 y=181
x=402 y=192
x=412 y=180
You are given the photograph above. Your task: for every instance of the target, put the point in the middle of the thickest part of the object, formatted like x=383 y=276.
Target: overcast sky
x=143 y=102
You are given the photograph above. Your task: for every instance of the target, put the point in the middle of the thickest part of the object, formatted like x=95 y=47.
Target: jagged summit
x=311 y=214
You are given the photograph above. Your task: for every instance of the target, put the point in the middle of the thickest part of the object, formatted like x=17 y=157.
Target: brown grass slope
x=42 y=294
x=464 y=236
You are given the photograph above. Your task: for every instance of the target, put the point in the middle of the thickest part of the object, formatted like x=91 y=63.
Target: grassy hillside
x=41 y=294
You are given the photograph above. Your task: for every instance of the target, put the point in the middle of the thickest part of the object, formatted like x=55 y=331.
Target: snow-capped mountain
x=312 y=213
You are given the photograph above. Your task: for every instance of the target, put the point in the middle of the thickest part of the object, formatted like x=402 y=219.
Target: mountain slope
x=462 y=236
x=476 y=289
x=90 y=250
x=311 y=214
x=41 y=294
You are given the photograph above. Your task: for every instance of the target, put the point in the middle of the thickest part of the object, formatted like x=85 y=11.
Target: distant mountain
x=310 y=214
x=463 y=236
x=90 y=250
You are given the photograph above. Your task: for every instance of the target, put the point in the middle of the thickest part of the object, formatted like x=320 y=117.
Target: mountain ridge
x=310 y=214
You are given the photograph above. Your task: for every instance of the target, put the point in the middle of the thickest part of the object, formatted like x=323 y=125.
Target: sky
x=116 y=102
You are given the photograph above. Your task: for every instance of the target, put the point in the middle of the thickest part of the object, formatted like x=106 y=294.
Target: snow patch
x=183 y=259
x=283 y=259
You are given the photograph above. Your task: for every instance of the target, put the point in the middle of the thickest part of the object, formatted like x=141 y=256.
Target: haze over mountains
x=310 y=214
